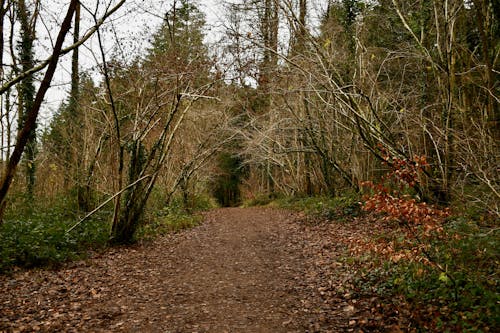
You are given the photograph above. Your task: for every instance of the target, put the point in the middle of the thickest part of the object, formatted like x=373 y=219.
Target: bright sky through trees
x=127 y=36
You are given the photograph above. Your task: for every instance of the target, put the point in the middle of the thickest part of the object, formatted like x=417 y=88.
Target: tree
x=181 y=34
x=30 y=117
x=5 y=118
x=27 y=91
x=171 y=80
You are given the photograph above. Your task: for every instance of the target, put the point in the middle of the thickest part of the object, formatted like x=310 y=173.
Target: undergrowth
x=35 y=235
x=455 y=289
x=175 y=217
x=449 y=272
x=331 y=208
x=324 y=207
x=464 y=298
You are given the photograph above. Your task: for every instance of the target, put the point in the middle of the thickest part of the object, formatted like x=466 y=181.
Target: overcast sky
x=132 y=25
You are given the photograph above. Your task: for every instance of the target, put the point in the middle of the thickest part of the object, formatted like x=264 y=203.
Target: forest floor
x=242 y=270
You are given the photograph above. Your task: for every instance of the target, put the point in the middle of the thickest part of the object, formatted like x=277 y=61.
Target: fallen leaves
x=338 y=255
x=272 y=269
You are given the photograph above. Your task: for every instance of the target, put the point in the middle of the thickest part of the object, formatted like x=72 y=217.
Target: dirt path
x=234 y=273
x=243 y=270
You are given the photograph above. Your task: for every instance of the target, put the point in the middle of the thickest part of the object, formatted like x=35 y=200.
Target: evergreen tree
x=181 y=34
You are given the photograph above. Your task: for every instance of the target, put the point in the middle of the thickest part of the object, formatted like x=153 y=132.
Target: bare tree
x=29 y=123
x=31 y=114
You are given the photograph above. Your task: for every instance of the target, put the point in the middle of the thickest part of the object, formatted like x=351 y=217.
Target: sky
x=133 y=25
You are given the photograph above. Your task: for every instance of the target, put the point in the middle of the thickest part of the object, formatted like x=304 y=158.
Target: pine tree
x=181 y=34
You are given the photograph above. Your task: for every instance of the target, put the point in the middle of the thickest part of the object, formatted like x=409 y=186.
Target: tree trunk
x=132 y=211
x=27 y=94
x=29 y=125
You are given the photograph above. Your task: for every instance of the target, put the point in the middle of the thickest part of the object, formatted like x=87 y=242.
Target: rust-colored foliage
x=391 y=197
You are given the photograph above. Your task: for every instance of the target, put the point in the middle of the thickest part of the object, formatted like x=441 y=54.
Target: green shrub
x=37 y=235
x=40 y=238
x=264 y=199
x=203 y=202
x=175 y=216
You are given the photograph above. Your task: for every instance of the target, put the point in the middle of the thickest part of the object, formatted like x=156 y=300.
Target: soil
x=242 y=270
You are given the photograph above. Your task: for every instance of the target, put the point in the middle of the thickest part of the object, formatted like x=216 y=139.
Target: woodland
x=384 y=111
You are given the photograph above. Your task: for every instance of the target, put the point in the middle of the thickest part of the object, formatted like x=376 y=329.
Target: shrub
x=172 y=218
x=39 y=238
x=451 y=279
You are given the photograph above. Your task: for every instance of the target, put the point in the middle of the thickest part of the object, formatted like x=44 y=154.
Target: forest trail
x=242 y=270
x=233 y=273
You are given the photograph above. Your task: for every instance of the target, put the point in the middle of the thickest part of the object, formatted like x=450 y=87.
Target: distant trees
x=412 y=77
x=282 y=104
